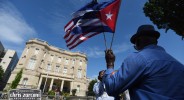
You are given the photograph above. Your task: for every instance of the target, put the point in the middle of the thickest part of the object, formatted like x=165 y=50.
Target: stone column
x=52 y=80
x=62 y=83
x=40 y=81
x=71 y=87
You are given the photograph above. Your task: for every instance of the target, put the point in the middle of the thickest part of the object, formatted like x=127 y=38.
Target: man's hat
x=145 y=30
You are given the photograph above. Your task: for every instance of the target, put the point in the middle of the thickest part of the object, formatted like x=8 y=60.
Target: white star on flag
x=82 y=38
x=109 y=15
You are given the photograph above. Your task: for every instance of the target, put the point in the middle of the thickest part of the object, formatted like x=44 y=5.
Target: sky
x=21 y=20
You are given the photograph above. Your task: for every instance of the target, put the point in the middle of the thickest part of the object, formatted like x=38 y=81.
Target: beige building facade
x=8 y=63
x=47 y=67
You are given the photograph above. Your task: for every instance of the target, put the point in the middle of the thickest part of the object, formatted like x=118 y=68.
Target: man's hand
x=110 y=58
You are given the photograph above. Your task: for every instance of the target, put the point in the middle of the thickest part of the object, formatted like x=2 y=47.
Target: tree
x=1 y=73
x=90 y=87
x=17 y=79
x=166 y=14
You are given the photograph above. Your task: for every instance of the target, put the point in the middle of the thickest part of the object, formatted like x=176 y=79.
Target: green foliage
x=1 y=73
x=17 y=79
x=51 y=93
x=65 y=94
x=166 y=14
x=90 y=88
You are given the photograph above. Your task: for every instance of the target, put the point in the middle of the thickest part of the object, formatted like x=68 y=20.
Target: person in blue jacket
x=149 y=74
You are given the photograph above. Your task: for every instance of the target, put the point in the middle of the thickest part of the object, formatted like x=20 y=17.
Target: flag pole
x=112 y=41
x=103 y=33
x=105 y=40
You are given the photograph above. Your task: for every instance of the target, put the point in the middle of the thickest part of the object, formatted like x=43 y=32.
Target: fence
x=45 y=97
x=4 y=96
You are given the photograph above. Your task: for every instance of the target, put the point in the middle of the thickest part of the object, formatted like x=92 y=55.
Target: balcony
x=56 y=74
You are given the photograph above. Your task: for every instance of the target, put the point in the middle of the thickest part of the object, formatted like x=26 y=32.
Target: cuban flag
x=85 y=24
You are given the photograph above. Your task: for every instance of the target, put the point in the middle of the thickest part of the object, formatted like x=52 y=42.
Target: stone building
x=46 y=67
x=8 y=61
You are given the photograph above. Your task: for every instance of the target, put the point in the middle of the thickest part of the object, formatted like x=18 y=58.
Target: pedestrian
x=57 y=94
x=99 y=89
x=149 y=74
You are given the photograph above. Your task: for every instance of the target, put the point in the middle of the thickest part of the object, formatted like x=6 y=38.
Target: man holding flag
x=149 y=74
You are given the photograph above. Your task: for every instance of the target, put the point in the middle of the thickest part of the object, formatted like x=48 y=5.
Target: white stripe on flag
x=72 y=39
x=66 y=38
x=83 y=40
x=69 y=26
x=78 y=40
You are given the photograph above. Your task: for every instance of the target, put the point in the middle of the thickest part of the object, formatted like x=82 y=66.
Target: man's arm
x=127 y=75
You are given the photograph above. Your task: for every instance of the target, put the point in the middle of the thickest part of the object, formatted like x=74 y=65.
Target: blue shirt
x=150 y=74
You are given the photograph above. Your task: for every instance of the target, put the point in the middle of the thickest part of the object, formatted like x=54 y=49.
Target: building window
x=49 y=67
x=57 y=69
x=36 y=51
x=73 y=62
x=78 y=88
x=51 y=58
x=79 y=73
x=31 y=64
x=80 y=63
x=59 y=59
x=24 y=82
x=66 y=61
x=65 y=70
